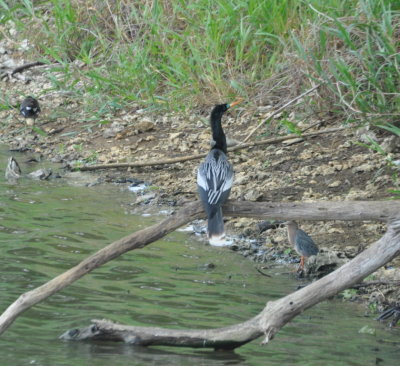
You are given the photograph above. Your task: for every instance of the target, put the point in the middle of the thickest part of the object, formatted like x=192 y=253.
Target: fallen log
x=358 y=210
x=181 y=159
x=314 y=211
x=268 y=322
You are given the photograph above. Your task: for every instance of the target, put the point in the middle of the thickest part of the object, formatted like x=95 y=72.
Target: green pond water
x=48 y=227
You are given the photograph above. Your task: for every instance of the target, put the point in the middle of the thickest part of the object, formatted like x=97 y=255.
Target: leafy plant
x=349 y=293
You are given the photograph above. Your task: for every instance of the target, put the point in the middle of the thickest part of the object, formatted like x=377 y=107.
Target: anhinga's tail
x=216 y=230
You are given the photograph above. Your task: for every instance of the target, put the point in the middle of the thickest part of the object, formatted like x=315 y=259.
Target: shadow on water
x=48 y=227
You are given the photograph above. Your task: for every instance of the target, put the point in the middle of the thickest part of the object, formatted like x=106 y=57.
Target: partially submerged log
x=310 y=211
x=268 y=322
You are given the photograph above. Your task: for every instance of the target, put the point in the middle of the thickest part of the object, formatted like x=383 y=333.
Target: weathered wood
x=268 y=322
x=181 y=159
x=221 y=338
x=315 y=211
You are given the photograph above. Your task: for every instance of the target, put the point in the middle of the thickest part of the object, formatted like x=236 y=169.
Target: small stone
x=144 y=126
x=367 y=167
x=24 y=45
x=114 y=129
x=253 y=195
x=390 y=144
x=365 y=135
x=41 y=174
x=366 y=329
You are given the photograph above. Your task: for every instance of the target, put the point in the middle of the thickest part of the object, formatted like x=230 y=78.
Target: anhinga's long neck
x=217 y=132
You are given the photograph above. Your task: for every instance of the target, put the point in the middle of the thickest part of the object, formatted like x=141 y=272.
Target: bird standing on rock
x=30 y=109
x=215 y=177
x=302 y=242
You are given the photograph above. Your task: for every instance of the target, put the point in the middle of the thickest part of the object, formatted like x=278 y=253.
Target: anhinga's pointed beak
x=236 y=102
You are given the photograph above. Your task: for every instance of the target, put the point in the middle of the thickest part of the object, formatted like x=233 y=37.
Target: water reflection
x=152 y=356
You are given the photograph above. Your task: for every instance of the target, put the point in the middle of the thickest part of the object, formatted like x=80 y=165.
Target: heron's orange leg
x=302 y=263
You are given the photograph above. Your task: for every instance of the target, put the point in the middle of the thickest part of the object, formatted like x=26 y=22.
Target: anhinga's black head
x=220 y=109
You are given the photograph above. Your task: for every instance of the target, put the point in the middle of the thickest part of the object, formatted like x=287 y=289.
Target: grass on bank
x=174 y=54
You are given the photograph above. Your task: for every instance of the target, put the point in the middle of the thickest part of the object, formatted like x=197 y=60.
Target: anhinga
x=215 y=177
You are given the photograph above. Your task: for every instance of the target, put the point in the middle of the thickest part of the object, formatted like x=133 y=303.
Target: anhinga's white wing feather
x=215 y=176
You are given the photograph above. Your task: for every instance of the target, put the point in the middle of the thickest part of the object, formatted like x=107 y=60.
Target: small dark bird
x=30 y=109
x=302 y=242
x=13 y=171
x=215 y=177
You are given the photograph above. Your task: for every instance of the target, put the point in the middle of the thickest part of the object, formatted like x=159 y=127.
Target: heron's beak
x=236 y=102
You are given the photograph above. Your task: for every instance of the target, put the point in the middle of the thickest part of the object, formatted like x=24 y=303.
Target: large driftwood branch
x=181 y=159
x=271 y=319
x=310 y=211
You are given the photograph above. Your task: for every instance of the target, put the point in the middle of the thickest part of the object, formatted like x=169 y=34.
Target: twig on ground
x=21 y=69
x=263 y=273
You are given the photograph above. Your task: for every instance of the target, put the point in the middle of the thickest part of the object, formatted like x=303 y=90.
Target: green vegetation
x=173 y=53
